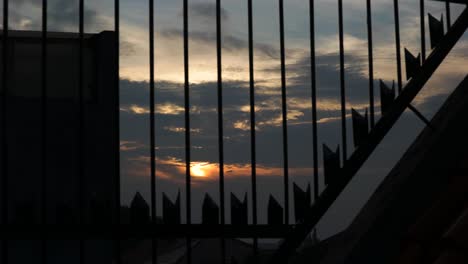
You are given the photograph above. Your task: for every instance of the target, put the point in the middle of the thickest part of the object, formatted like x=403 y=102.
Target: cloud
x=206 y=12
x=181 y=129
x=63 y=15
x=127 y=48
x=129 y=145
x=230 y=43
x=169 y=109
x=135 y=109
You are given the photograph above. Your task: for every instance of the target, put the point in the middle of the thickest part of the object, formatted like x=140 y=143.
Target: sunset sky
x=25 y=15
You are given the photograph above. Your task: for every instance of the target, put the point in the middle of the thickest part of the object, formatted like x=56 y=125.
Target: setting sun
x=198 y=170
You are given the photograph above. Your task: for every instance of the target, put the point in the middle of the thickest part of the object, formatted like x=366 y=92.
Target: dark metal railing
x=337 y=172
x=360 y=155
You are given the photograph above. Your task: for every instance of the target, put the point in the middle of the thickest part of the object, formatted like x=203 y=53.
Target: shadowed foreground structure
x=419 y=214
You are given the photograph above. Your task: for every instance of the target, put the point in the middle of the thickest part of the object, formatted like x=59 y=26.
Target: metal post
x=44 y=128
x=81 y=123
x=371 y=63
x=253 y=148
x=423 y=31
x=117 y=255
x=4 y=142
x=449 y=16
x=313 y=81
x=220 y=123
x=342 y=82
x=187 y=129
x=397 y=44
x=152 y=129
x=81 y=141
x=284 y=115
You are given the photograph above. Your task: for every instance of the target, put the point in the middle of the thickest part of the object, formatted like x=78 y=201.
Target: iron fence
x=366 y=138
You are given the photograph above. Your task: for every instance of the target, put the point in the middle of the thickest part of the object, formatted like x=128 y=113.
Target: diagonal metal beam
x=420 y=116
x=357 y=159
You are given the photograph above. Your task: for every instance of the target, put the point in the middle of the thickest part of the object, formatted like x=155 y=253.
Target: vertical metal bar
x=117 y=107
x=220 y=109
x=44 y=128
x=371 y=63
x=284 y=114
x=81 y=163
x=313 y=81
x=342 y=82
x=423 y=31
x=397 y=44
x=449 y=17
x=117 y=246
x=152 y=112
x=81 y=160
x=44 y=111
x=187 y=130
x=152 y=129
x=187 y=116
x=220 y=123
x=253 y=141
x=4 y=142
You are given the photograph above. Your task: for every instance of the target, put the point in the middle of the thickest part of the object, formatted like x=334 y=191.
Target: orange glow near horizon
x=200 y=169
x=174 y=169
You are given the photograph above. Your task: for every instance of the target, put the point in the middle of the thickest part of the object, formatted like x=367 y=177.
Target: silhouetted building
x=73 y=155
x=24 y=124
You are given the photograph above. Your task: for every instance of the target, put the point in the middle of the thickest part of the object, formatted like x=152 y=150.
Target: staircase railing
x=419 y=75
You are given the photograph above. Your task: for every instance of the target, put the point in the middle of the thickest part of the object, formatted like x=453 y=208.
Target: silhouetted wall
x=25 y=121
